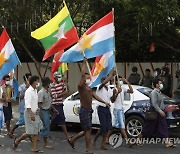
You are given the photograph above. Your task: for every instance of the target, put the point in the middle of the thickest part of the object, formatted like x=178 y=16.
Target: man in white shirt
x=104 y=113
x=33 y=124
x=117 y=99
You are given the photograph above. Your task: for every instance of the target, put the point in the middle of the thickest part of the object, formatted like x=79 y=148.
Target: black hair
x=156 y=81
x=26 y=76
x=148 y=70
x=134 y=69
x=6 y=76
x=33 y=79
x=116 y=79
x=45 y=81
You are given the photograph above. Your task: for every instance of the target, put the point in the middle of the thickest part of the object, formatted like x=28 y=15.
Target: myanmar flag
x=57 y=34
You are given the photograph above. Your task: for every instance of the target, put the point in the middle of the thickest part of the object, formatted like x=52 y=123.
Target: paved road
x=60 y=145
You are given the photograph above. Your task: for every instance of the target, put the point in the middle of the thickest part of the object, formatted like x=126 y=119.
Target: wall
x=124 y=69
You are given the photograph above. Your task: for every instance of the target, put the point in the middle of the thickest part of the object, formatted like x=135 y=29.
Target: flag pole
x=118 y=85
x=87 y=65
x=115 y=50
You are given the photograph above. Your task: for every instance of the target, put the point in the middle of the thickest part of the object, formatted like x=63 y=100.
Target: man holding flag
x=85 y=113
x=8 y=61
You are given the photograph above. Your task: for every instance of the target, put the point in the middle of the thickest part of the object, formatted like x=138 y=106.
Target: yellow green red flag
x=57 y=34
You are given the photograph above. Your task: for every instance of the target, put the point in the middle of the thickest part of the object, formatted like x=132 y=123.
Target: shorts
x=21 y=120
x=105 y=119
x=7 y=112
x=32 y=127
x=58 y=119
x=85 y=116
x=119 y=118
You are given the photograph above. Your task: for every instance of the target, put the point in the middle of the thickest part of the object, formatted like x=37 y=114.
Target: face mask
x=121 y=83
x=107 y=84
x=88 y=81
x=38 y=84
x=59 y=79
x=8 y=83
x=155 y=73
x=161 y=86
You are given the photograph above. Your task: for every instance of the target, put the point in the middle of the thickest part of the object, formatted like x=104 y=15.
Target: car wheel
x=134 y=126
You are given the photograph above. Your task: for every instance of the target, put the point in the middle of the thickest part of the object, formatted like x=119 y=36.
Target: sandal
x=48 y=147
x=14 y=144
x=71 y=144
x=38 y=151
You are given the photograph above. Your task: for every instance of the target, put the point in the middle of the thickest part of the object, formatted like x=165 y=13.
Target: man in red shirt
x=58 y=90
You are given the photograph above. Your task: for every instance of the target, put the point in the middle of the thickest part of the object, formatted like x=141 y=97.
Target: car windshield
x=147 y=92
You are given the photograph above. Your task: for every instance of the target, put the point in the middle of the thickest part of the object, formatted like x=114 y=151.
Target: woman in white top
x=33 y=124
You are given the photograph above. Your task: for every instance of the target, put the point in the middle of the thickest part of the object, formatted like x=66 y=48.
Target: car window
x=127 y=96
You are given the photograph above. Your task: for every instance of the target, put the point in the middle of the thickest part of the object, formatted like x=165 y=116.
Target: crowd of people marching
x=44 y=108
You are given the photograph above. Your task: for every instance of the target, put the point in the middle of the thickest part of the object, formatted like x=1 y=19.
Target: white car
x=135 y=106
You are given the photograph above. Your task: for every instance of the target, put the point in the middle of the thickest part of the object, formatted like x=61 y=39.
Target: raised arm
x=130 y=90
x=113 y=72
x=83 y=76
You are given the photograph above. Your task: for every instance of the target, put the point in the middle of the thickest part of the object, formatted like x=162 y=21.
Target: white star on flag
x=60 y=33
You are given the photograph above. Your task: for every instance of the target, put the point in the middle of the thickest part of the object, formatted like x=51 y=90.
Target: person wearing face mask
x=177 y=90
x=33 y=123
x=22 y=88
x=104 y=113
x=134 y=77
x=58 y=90
x=157 y=73
x=44 y=99
x=117 y=99
x=157 y=127
x=85 y=113
x=7 y=106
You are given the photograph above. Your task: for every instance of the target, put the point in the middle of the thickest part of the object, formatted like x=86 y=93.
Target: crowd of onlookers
x=161 y=73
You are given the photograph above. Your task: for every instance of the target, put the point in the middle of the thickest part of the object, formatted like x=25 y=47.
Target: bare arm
x=130 y=90
x=107 y=79
x=83 y=79
x=99 y=99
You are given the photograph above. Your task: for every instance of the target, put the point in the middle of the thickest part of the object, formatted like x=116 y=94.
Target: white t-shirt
x=104 y=94
x=31 y=99
x=118 y=104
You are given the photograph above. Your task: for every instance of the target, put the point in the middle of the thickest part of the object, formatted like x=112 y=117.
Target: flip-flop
x=38 y=151
x=71 y=144
x=48 y=147
x=14 y=144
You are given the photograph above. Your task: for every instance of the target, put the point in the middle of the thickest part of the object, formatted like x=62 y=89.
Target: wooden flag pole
x=88 y=65
x=115 y=50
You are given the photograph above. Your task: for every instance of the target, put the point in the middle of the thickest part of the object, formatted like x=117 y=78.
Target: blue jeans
x=21 y=120
x=119 y=118
x=45 y=117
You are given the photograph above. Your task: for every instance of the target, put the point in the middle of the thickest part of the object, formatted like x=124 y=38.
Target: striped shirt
x=57 y=89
